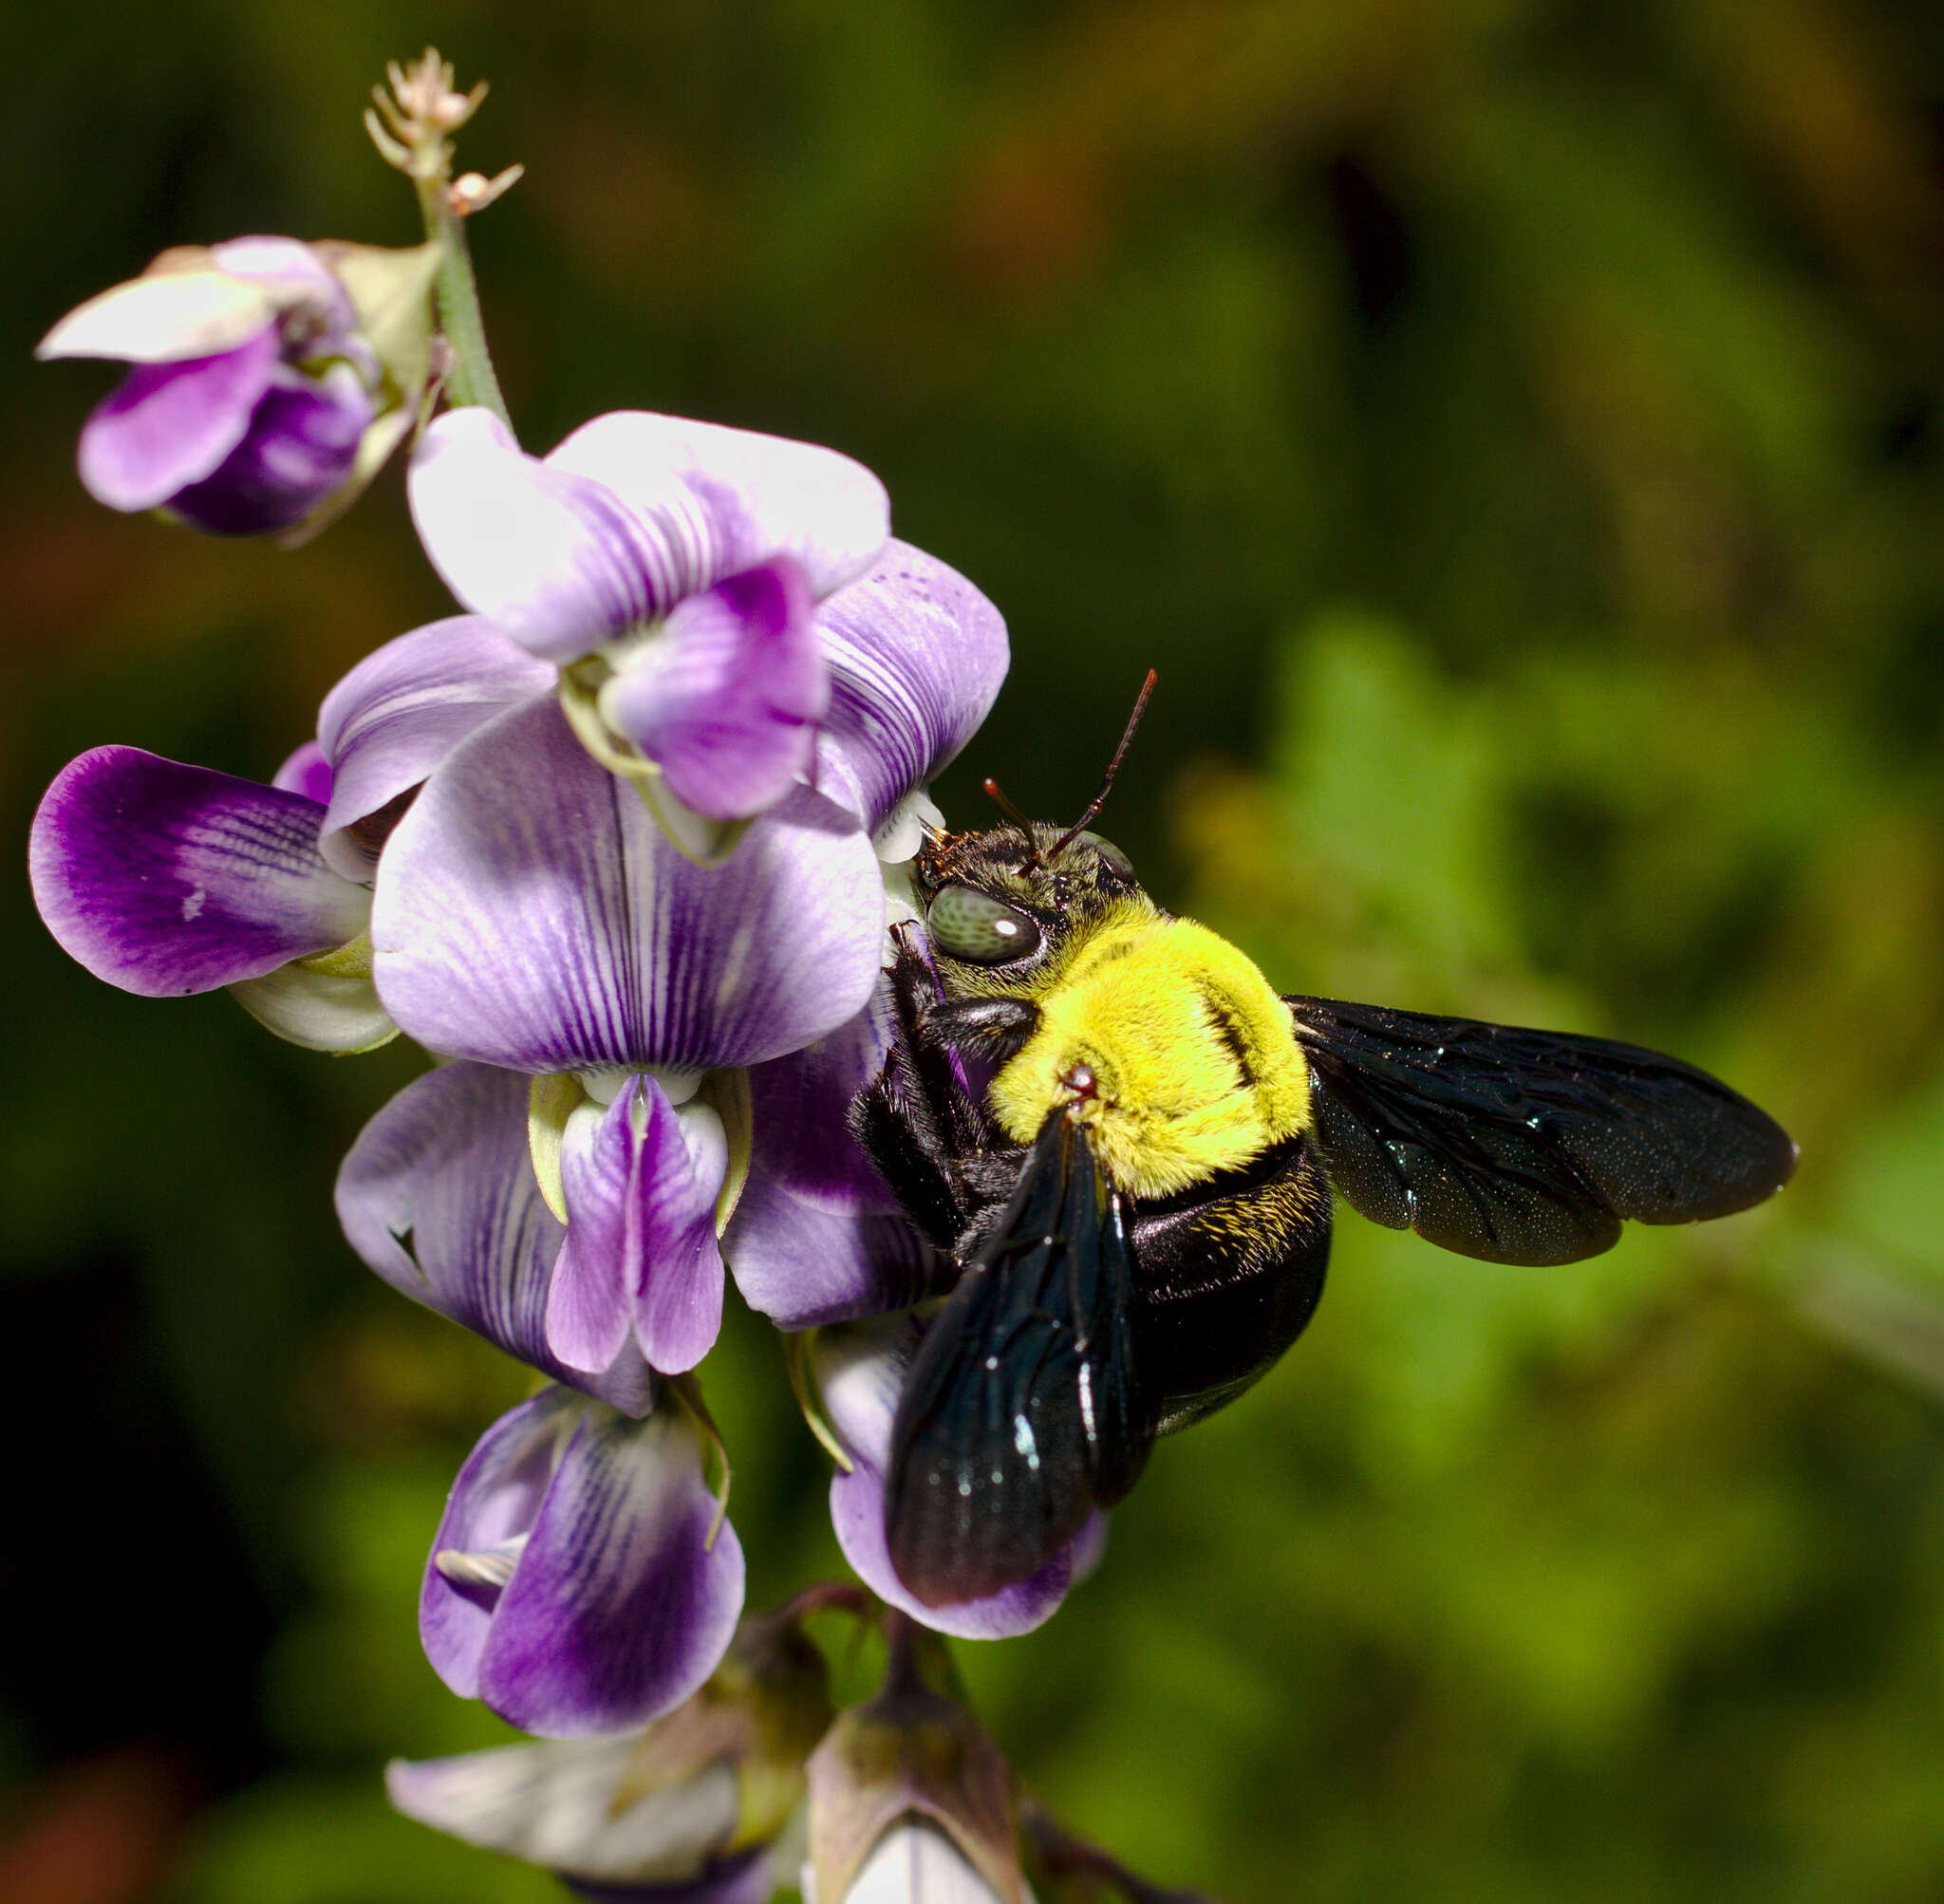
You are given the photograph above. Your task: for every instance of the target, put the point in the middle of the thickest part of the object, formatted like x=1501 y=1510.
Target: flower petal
x=165 y=879
x=553 y=558
x=916 y=1863
x=916 y=656
x=322 y=1011
x=437 y=1196
x=619 y=1608
x=401 y=710
x=860 y=1373
x=800 y=1104
x=295 y=277
x=818 y=1237
x=758 y=495
x=727 y=699
x=169 y=425
x=307 y=771
x=300 y=444
x=165 y=317
x=494 y=1498
x=530 y=913
x=641 y=1183
x=803 y=1264
x=552 y=1803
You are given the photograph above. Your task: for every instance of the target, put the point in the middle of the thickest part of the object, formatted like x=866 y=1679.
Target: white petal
x=552 y=1805
x=916 y=1863
x=321 y=1011
x=163 y=319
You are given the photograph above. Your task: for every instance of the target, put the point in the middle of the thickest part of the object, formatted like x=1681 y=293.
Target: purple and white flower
x=166 y=879
x=860 y=1371
x=531 y=916
x=438 y=1196
x=671 y=570
x=583 y=1578
x=269 y=378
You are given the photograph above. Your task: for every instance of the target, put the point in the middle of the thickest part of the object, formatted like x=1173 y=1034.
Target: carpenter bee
x=1126 y=1142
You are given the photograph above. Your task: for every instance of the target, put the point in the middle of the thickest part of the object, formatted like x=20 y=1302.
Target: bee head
x=1000 y=906
x=1004 y=900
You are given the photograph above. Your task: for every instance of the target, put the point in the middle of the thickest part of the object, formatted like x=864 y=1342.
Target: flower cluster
x=648 y=1053
x=618 y=848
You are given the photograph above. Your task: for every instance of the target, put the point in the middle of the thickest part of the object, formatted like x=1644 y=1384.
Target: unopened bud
x=472 y=191
x=910 y=1787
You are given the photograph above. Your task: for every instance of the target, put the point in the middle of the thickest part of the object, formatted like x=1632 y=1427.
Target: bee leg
x=996 y=1029
x=915 y=1120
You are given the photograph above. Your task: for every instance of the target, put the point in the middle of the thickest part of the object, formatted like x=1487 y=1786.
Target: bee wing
x=1023 y=1409
x=1523 y=1146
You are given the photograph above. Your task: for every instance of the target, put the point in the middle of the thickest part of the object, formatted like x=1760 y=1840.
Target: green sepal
x=551 y=1099
x=726 y=1092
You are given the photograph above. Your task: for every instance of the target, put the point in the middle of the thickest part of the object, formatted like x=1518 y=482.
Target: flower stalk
x=411 y=125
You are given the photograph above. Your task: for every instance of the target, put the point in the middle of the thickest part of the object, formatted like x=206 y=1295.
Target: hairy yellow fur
x=1196 y=1068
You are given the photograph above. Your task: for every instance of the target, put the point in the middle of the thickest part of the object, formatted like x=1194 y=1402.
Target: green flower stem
x=471 y=380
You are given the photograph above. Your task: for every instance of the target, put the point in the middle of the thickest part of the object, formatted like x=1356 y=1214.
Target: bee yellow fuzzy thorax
x=1195 y=1064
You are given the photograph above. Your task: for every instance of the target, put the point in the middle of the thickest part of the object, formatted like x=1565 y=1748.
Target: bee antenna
x=1099 y=799
x=1018 y=818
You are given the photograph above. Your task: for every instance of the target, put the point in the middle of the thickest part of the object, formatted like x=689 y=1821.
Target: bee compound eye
x=973 y=926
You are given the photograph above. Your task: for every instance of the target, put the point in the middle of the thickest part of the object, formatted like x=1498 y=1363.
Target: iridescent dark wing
x=1023 y=1409
x=1523 y=1146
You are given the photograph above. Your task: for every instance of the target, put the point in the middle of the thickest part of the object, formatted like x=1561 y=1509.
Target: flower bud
x=268 y=379
x=910 y=1800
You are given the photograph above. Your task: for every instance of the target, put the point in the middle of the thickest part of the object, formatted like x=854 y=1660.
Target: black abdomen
x=1226 y=1277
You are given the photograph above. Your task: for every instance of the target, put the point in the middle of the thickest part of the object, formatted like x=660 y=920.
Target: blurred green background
x=1513 y=429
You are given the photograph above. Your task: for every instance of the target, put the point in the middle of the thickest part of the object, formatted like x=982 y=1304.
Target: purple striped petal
x=530 y=913
x=916 y=656
x=727 y=700
x=641 y=1180
x=628 y=516
x=400 y=711
x=860 y=1374
x=817 y=1236
x=169 y=425
x=496 y=1499
x=437 y=1195
x=760 y=496
x=798 y=1104
x=554 y=559
x=618 y=1607
x=165 y=879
